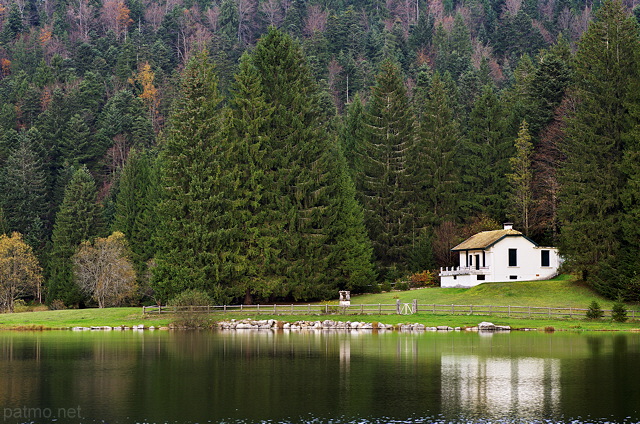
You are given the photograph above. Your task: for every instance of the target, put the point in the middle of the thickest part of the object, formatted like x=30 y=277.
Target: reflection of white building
x=500 y=387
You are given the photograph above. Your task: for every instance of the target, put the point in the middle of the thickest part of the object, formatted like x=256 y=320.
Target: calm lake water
x=318 y=377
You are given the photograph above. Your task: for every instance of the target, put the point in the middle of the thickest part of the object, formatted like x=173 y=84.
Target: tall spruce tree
x=77 y=220
x=191 y=200
x=385 y=182
x=23 y=186
x=136 y=205
x=484 y=159
x=434 y=157
x=520 y=179
x=305 y=231
x=594 y=176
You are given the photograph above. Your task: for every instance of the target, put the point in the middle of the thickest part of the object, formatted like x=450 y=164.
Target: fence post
x=470 y=309
x=258 y=309
x=275 y=305
x=453 y=311
x=570 y=312
x=361 y=308
x=415 y=306
x=434 y=308
x=398 y=306
x=509 y=313
x=224 y=308
x=379 y=308
x=549 y=311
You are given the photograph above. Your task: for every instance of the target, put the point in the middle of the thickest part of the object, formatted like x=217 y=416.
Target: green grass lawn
x=81 y=317
x=560 y=292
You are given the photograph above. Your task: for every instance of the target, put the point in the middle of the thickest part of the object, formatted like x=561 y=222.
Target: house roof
x=486 y=239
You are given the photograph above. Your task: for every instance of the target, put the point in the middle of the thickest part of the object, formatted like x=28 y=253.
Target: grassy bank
x=560 y=292
x=563 y=291
x=133 y=316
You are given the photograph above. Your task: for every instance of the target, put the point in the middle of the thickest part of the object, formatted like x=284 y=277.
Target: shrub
x=191 y=317
x=57 y=305
x=191 y=297
x=375 y=288
x=423 y=279
x=594 y=311
x=386 y=286
x=619 y=311
x=402 y=286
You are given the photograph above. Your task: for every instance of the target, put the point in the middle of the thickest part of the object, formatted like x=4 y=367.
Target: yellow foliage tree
x=149 y=93
x=103 y=270
x=20 y=273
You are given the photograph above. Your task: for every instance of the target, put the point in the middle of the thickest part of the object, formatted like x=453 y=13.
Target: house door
x=477 y=261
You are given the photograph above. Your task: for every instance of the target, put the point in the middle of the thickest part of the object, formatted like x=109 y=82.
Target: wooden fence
x=384 y=309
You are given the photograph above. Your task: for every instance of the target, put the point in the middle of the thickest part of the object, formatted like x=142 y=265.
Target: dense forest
x=285 y=149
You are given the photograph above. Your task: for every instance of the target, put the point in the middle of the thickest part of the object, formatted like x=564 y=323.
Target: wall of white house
x=492 y=265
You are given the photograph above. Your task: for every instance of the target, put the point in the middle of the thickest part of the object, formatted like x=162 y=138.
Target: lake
x=318 y=377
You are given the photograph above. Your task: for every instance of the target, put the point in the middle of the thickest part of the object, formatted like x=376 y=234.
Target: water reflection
x=501 y=387
x=322 y=376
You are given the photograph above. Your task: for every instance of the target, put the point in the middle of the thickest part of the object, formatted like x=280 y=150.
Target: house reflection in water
x=500 y=387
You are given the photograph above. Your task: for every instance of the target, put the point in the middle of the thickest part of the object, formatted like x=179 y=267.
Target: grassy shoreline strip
x=113 y=317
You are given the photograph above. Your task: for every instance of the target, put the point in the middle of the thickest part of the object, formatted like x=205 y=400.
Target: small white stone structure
x=345 y=298
x=500 y=255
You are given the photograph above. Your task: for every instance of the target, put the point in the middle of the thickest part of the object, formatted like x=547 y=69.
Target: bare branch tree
x=104 y=271
x=316 y=20
x=272 y=10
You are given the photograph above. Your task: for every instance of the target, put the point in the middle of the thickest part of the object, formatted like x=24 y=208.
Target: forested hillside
x=271 y=149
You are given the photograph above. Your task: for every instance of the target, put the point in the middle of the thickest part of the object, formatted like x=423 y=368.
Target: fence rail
x=383 y=309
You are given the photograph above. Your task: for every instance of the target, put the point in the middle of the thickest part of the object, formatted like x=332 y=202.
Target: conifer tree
x=434 y=158
x=77 y=220
x=24 y=198
x=384 y=183
x=191 y=197
x=353 y=134
x=520 y=179
x=594 y=176
x=136 y=204
x=485 y=159
x=304 y=203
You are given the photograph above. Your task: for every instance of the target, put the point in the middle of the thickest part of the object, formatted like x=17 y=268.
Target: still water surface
x=320 y=377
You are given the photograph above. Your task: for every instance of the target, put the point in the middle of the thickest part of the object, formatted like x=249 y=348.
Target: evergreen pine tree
x=191 y=198
x=24 y=200
x=77 y=220
x=433 y=158
x=384 y=183
x=135 y=208
x=593 y=176
x=305 y=197
x=520 y=179
x=484 y=159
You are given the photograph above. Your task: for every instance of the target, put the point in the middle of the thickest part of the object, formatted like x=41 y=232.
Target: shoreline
x=271 y=324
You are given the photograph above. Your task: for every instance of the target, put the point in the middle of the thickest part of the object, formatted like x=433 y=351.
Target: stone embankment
x=271 y=324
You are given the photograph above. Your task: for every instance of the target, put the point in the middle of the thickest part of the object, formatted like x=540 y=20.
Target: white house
x=500 y=255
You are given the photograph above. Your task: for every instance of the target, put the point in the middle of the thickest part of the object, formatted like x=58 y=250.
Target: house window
x=513 y=277
x=480 y=277
x=513 y=257
x=544 y=258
